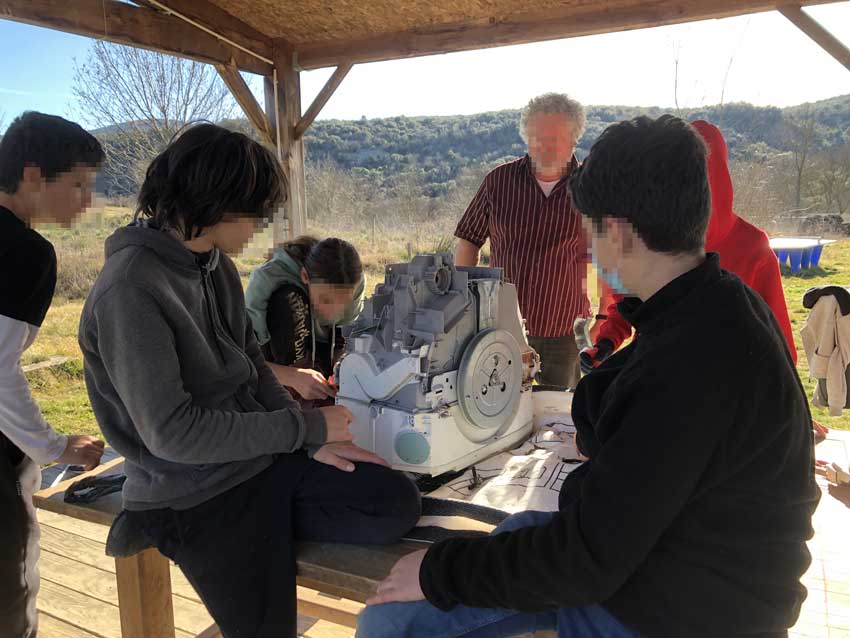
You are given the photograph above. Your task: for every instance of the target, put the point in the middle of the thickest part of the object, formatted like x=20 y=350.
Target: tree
x=832 y=180
x=141 y=99
x=800 y=138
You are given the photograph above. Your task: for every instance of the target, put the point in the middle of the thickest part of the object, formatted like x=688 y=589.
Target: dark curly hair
x=652 y=173
x=206 y=172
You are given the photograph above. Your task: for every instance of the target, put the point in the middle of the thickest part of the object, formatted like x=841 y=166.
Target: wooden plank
x=73 y=574
x=49 y=363
x=144 y=593
x=103 y=511
x=245 y=98
x=127 y=24
x=335 y=610
x=348 y=571
x=52 y=627
x=220 y=21
x=62 y=535
x=107 y=468
x=812 y=28
x=91 y=531
x=210 y=632
x=574 y=19
x=190 y=616
x=326 y=629
x=87 y=614
x=79 y=610
x=80 y=549
x=321 y=99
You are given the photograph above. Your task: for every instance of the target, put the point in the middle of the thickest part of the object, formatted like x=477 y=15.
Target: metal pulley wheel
x=489 y=382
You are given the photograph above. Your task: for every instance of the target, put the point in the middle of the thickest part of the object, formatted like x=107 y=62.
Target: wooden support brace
x=812 y=28
x=144 y=596
x=242 y=93
x=322 y=98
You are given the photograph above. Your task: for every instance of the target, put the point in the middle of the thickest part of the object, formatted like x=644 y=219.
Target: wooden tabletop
x=348 y=571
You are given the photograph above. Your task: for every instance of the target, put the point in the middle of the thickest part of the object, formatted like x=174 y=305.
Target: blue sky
x=761 y=59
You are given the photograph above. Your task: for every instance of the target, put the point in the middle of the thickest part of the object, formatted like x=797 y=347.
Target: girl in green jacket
x=297 y=302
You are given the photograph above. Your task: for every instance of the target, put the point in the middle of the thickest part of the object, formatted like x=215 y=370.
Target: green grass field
x=61 y=392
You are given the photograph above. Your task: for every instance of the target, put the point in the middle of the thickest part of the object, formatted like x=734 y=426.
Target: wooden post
x=144 y=596
x=283 y=110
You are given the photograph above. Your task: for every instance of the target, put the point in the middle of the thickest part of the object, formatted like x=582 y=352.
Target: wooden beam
x=243 y=96
x=572 y=20
x=213 y=17
x=127 y=24
x=321 y=99
x=144 y=596
x=812 y=28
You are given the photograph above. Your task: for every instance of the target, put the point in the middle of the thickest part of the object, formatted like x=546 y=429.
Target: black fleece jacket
x=691 y=517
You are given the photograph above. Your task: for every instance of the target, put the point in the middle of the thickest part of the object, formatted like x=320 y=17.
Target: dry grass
x=61 y=391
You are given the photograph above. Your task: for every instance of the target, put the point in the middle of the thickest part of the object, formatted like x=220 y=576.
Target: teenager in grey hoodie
x=224 y=470
x=297 y=302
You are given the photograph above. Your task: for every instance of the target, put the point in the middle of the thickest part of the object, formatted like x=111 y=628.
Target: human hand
x=341 y=455
x=82 y=450
x=590 y=358
x=338 y=418
x=402 y=584
x=310 y=384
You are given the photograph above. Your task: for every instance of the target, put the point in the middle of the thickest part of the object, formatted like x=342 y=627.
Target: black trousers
x=238 y=552
x=18 y=545
x=559 y=363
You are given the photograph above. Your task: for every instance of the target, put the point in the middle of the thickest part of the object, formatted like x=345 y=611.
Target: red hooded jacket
x=743 y=248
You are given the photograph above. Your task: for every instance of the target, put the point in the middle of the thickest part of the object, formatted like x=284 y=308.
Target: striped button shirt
x=537 y=240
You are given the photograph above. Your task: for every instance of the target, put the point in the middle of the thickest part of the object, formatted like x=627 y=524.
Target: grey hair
x=554 y=103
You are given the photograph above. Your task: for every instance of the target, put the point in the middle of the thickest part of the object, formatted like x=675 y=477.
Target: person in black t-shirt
x=47 y=167
x=691 y=516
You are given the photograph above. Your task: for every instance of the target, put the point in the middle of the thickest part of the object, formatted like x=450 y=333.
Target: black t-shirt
x=27 y=271
x=27 y=282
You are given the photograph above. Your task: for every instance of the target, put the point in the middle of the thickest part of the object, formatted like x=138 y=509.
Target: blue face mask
x=612 y=278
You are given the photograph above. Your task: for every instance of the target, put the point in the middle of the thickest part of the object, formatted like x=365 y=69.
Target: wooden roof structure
x=278 y=38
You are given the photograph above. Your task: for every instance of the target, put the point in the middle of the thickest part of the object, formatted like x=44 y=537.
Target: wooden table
x=145 y=605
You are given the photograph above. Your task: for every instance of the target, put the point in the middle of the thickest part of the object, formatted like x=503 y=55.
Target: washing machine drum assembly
x=437 y=368
x=489 y=384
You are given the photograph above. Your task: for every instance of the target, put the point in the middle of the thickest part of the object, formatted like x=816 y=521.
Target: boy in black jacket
x=691 y=516
x=47 y=165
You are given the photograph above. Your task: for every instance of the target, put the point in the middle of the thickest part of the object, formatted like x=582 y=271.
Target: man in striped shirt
x=523 y=207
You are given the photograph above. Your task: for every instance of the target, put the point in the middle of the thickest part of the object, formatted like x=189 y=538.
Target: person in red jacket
x=744 y=250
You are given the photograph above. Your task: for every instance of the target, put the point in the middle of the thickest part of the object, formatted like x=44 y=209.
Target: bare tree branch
x=142 y=99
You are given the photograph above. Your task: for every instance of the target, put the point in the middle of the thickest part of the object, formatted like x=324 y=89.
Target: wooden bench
x=349 y=573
